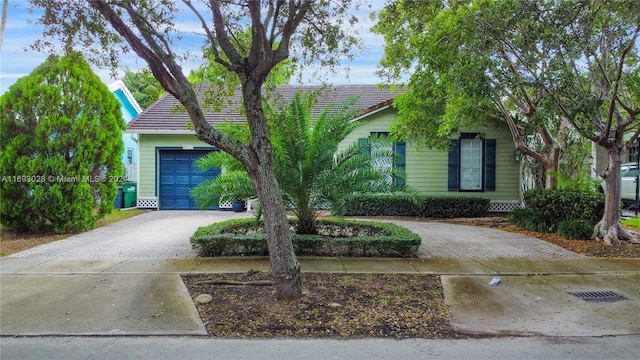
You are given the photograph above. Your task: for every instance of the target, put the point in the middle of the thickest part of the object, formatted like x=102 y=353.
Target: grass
x=12 y=242
x=634 y=223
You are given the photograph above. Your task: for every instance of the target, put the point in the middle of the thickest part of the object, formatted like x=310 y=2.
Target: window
x=129 y=156
x=397 y=160
x=633 y=153
x=472 y=164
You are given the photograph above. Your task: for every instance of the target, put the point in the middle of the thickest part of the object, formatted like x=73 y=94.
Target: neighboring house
x=599 y=159
x=480 y=164
x=130 y=109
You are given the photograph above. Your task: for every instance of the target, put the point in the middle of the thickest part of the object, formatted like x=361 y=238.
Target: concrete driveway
x=153 y=235
x=124 y=279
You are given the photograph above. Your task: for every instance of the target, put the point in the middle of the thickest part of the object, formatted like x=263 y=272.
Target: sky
x=17 y=60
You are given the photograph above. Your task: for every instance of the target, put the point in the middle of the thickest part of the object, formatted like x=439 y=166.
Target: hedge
x=566 y=211
x=339 y=237
x=431 y=207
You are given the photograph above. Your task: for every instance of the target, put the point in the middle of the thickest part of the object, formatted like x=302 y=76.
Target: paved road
x=194 y=348
x=123 y=280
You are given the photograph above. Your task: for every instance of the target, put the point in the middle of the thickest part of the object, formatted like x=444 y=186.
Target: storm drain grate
x=599 y=296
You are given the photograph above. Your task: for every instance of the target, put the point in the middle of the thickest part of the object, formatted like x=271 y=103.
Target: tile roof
x=163 y=117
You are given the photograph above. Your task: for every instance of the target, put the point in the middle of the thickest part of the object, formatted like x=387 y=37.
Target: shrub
x=566 y=204
x=571 y=213
x=381 y=205
x=432 y=206
x=575 y=229
x=532 y=220
x=450 y=207
x=60 y=148
x=337 y=238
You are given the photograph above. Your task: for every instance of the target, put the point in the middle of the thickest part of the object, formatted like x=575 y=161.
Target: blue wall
x=129 y=112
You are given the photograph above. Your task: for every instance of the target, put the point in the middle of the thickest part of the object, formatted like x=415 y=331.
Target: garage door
x=178 y=175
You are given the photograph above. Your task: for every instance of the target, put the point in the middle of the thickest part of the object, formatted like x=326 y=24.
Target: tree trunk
x=609 y=228
x=284 y=265
x=307 y=223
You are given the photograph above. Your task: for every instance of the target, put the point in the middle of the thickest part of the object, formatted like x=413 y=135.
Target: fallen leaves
x=333 y=305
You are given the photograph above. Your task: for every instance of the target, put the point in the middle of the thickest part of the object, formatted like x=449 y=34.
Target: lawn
x=12 y=242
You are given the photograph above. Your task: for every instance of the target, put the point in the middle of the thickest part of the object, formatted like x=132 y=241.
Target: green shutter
x=490 y=164
x=364 y=145
x=453 y=165
x=400 y=162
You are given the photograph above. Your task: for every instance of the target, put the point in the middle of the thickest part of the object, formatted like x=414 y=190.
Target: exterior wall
x=148 y=146
x=129 y=112
x=427 y=170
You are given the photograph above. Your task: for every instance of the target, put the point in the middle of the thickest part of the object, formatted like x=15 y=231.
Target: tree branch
x=210 y=36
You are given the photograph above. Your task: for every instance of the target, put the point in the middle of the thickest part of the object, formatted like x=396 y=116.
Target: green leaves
x=313 y=173
x=61 y=142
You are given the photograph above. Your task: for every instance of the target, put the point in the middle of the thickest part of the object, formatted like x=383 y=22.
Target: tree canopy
x=545 y=68
x=61 y=142
x=143 y=86
x=304 y=31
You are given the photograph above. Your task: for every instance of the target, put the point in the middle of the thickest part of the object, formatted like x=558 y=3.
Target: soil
x=332 y=305
x=353 y=305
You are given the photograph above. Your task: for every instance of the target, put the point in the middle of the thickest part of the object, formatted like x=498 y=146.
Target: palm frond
x=228 y=186
x=218 y=159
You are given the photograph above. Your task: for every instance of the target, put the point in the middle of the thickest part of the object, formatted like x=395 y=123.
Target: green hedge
x=567 y=210
x=431 y=207
x=339 y=238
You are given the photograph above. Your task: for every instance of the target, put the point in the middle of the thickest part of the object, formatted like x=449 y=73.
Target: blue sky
x=16 y=60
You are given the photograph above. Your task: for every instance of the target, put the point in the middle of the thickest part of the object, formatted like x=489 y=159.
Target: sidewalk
x=43 y=296
x=124 y=279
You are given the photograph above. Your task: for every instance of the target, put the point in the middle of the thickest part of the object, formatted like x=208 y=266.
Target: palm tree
x=313 y=174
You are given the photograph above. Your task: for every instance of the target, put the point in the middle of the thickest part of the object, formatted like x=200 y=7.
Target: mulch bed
x=353 y=305
x=333 y=306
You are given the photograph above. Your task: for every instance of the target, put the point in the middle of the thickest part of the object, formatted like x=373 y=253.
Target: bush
x=336 y=238
x=575 y=229
x=433 y=206
x=450 y=207
x=532 y=220
x=566 y=204
x=570 y=213
x=60 y=148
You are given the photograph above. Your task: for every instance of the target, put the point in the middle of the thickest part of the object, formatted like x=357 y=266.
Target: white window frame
x=471 y=165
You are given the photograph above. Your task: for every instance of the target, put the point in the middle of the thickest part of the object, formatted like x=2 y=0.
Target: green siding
x=148 y=165
x=427 y=170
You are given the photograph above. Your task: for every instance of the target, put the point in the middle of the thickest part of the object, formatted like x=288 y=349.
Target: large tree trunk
x=609 y=229
x=284 y=265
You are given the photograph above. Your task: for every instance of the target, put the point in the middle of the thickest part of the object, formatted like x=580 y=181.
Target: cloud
x=16 y=60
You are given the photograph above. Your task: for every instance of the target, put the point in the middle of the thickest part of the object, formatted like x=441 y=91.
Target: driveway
x=153 y=235
x=165 y=235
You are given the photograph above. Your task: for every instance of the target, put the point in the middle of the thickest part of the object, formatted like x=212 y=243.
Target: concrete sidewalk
x=42 y=296
x=124 y=279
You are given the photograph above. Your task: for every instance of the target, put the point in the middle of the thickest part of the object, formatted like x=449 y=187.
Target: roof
x=162 y=116
x=128 y=105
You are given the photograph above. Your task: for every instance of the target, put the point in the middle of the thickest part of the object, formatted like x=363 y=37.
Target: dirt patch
x=333 y=305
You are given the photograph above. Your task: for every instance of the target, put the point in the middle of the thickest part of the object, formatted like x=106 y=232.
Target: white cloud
x=15 y=62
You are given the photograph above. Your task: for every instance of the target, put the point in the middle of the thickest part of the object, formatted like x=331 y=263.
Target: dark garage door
x=178 y=176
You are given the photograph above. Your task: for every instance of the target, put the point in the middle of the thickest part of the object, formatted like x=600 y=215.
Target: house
x=480 y=164
x=130 y=109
